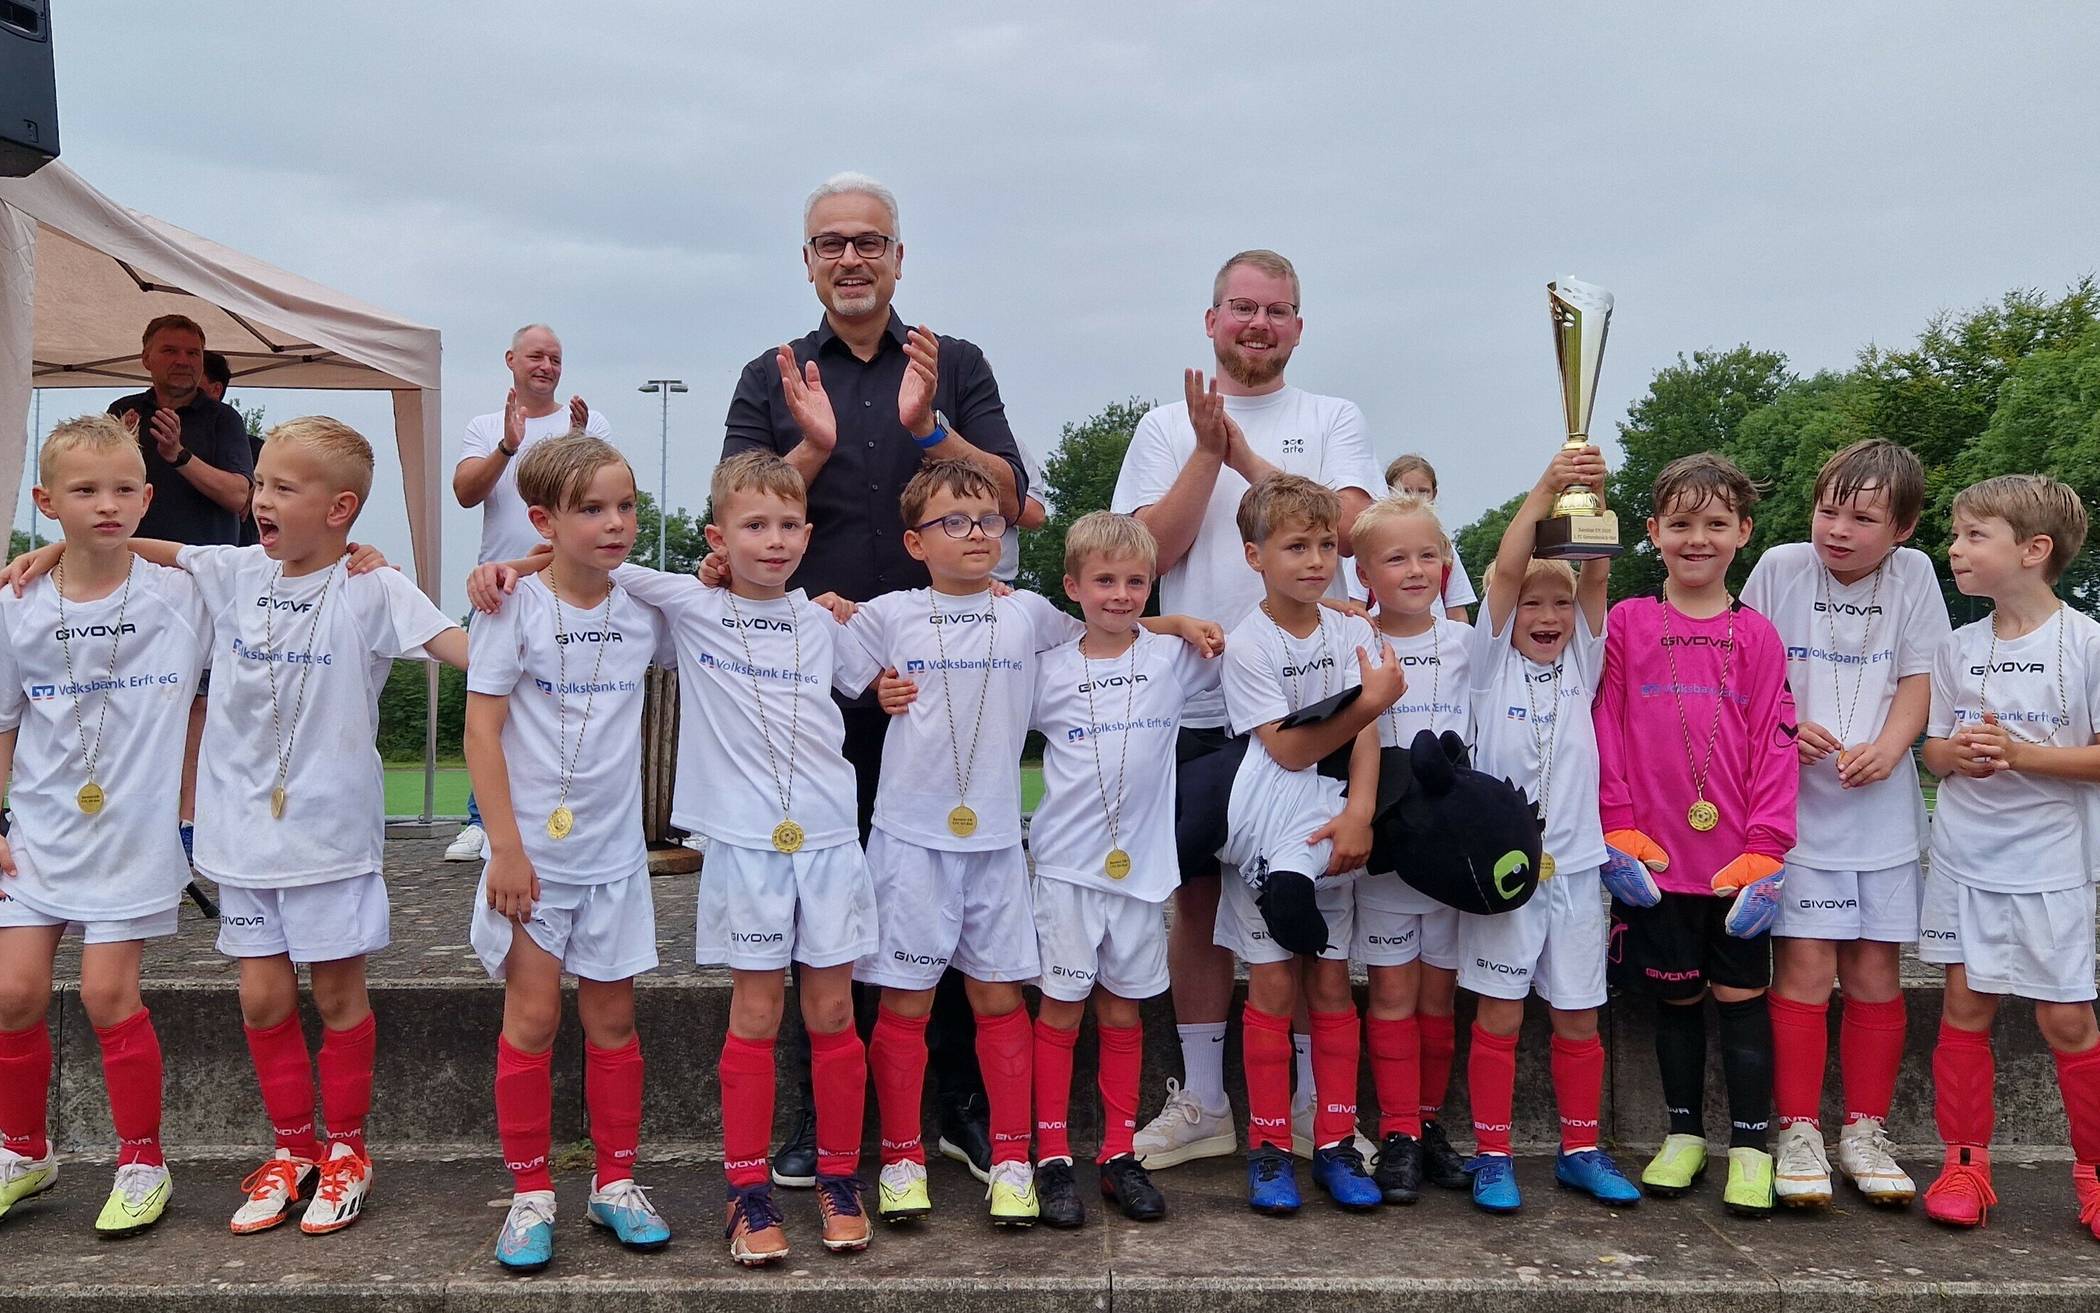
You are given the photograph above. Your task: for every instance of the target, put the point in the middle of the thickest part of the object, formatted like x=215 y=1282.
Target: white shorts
x=1241 y=928
x=1090 y=937
x=114 y=930
x=2037 y=946
x=760 y=909
x=1554 y=944
x=935 y=909
x=312 y=923
x=1397 y=924
x=596 y=931
x=1846 y=905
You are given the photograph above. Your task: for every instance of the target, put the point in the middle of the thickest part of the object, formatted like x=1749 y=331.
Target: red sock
x=897 y=1057
x=1800 y=1048
x=838 y=1079
x=525 y=1114
x=1053 y=1090
x=1396 y=1070
x=286 y=1075
x=25 y=1086
x=1122 y=1061
x=1337 y=1045
x=612 y=1098
x=747 y=1109
x=1578 y=1087
x=1439 y=1048
x=1963 y=1074
x=131 y=1071
x=346 y=1082
x=1491 y=1087
x=1005 y=1054
x=2078 y=1078
x=1870 y=1053
x=1265 y=1051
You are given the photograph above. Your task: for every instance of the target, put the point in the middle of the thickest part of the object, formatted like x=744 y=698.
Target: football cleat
x=526 y=1242
x=272 y=1190
x=139 y=1198
x=623 y=1208
x=339 y=1197
x=900 y=1192
x=1594 y=1173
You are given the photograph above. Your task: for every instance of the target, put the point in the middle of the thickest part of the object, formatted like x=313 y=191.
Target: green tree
x=1478 y=542
x=252 y=416
x=1081 y=475
x=685 y=545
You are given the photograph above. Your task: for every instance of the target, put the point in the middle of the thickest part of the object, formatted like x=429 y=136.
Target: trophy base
x=1578 y=537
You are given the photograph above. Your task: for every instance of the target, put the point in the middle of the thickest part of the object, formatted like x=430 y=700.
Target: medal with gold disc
x=1702 y=815
x=90 y=797
x=962 y=821
x=1116 y=866
x=561 y=821
x=272 y=658
x=787 y=836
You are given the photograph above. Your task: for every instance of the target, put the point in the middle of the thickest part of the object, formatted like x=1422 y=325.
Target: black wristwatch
x=181 y=460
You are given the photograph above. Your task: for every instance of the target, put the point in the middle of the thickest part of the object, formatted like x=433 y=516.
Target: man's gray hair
x=519 y=336
x=852 y=184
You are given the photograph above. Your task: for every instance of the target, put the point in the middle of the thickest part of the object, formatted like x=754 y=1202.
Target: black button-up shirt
x=215 y=434
x=857 y=546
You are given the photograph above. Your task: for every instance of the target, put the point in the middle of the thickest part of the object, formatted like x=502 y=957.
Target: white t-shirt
x=2015 y=832
x=1299 y=432
x=959 y=668
x=1436 y=664
x=1010 y=542
x=1507 y=687
x=506 y=530
x=340 y=651
x=1127 y=731
x=1846 y=646
x=556 y=672
x=126 y=861
x=725 y=788
x=1458 y=587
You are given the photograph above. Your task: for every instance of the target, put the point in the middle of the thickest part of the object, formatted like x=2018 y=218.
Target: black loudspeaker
x=28 y=88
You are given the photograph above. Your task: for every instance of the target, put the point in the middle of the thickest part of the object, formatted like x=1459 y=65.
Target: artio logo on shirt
x=590 y=636
x=62 y=633
x=1294 y=446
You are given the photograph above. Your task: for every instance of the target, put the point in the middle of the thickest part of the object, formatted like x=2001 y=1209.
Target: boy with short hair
x=2014 y=735
x=1406 y=941
x=1292 y=836
x=90 y=750
x=1861 y=616
x=1103 y=844
x=553 y=677
x=1412 y=475
x=1695 y=745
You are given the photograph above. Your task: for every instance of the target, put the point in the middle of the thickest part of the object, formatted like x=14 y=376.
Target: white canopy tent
x=80 y=276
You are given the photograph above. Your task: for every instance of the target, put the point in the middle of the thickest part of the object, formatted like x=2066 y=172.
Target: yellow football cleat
x=901 y=1192
x=1012 y=1193
x=22 y=1178
x=140 y=1197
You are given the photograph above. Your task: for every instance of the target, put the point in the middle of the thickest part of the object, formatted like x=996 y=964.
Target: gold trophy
x=1580 y=529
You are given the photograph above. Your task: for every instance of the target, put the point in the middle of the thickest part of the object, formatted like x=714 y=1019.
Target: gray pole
x=666 y=386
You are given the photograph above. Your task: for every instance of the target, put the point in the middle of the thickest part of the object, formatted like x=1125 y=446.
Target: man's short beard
x=854 y=306
x=1249 y=372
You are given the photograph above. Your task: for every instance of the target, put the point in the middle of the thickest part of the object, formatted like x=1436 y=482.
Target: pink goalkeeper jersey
x=1645 y=770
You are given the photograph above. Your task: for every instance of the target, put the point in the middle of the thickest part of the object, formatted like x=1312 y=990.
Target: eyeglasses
x=869 y=246
x=1244 y=310
x=957 y=525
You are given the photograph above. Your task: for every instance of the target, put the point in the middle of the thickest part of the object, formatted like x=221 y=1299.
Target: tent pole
x=430 y=740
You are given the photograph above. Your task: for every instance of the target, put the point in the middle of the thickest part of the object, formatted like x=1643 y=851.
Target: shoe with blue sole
x=1340 y=1171
x=1594 y=1173
x=526 y=1242
x=623 y=1208
x=1272 y=1183
x=1494 y=1184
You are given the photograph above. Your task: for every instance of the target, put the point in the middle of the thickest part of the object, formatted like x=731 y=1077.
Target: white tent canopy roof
x=80 y=276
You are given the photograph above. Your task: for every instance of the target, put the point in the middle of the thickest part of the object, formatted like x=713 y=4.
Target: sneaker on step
x=1749 y=1190
x=467 y=845
x=1866 y=1160
x=966 y=1135
x=1676 y=1167
x=1494 y=1179
x=1399 y=1169
x=623 y=1208
x=1057 y=1195
x=1339 y=1170
x=1012 y=1194
x=22 y=1177
x=137 y=1201
x=339 y=1195
x=1962 y=1196
x=1126 y=1184
x=1440 y=1162
x=1183 y=1131
x=1302 y=1136
x=754 y=1230
x=900 y=1191
x=526 y=1242
x=795 y=1164
x=272 y=1189
x=1594 y=1173
x=844 y=1214
x=1801 y=1167
x=1272 y=1181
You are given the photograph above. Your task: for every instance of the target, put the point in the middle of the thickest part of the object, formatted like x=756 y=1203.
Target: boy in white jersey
x=553 y=677
x=1108 y=706
x=98 y=664
x=2009 y=898
x=1861 y=616
x=1536 y=656
x=1290 y=833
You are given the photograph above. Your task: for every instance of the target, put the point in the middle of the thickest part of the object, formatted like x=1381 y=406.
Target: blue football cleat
x=1756 y=906
x=526 y=1242
x=1594 y=1173
x=1628 y=880
x=623 y=1208
x=1272 y=1182
x=1340 y=1172
x=1494 y=1184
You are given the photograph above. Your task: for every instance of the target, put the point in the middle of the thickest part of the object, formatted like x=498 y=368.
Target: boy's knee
x=2067 y=1027
x=22 y=1005
x=108 y=1002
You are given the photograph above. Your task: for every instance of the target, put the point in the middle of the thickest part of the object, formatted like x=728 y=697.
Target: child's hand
x=713 y=570
x=1975 y=755
x=363 y=558
x=999 y=587
x=1640 y=847
x=7 y=858
x=513 y=886
x=1383 y=683
x=895 y=693
x=1813 y=743
x=1352 y=841
x=1583 y=465
x=841 y=609
x=25 y=569
x=1747 y=869
x=1206 y=636
x=1350 y=606
x=489 y=584
x=1870 y=763
x=1994 y=741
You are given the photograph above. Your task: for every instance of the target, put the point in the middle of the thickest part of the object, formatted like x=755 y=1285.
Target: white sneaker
x=1801 y=1167
x=1184 y=1130
x=1864 y=1158
x=468 y=845
x=1302 y=1136
x=22 y=1178
x=272 y=1190
x=339 y=1197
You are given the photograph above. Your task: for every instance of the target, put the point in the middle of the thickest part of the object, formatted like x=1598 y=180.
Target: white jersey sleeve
x=404 y=620
x=496 y=651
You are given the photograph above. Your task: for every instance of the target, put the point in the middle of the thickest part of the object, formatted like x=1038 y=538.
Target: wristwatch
x=939 y=434
x=181 y=460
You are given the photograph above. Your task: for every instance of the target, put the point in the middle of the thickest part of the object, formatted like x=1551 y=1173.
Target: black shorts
x=1677 y=948
x=1205 y=762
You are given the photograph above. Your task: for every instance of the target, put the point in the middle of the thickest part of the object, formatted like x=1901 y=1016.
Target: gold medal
x=89 y=798
x=1118 y=864
x=1703 y=816
x=277 y=803
x=787 y=837
x=559 y=822
x=1546 y=867
x=962 y=822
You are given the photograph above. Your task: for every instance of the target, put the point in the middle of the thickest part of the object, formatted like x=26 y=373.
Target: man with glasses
x=857 y=406
x=1187 y=467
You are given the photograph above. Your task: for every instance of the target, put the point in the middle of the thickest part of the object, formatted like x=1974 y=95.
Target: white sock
x=1301 y=1046
x=1203 y=1064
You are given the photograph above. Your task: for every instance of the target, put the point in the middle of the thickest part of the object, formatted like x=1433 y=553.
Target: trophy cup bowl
x=1579 y=529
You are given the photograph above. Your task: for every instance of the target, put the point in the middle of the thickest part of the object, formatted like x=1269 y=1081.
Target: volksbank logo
x=62 y=633
x=1519 y=713
x=545 y=686
x=1796 y=653
x=41 y=692
x=1072 y=735
x=914 y=667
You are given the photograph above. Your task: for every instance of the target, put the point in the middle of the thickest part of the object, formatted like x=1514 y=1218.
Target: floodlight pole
x=664 y=387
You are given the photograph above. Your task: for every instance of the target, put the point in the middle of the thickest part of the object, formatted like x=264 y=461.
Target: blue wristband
x=939 y=434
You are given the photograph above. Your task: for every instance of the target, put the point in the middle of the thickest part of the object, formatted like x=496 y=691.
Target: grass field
x=404 y=790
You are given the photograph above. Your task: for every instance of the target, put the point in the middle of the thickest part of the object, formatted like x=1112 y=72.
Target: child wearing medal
x=1109 y=707
x=1537 y=652
x=91 y=729
x=1698 y=776
x=554 y=700
x=2014 y=735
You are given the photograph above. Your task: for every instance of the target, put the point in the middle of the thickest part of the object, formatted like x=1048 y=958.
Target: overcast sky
x=1806 y=178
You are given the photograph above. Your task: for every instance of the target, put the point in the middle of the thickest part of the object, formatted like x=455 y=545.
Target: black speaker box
x=28 y=88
